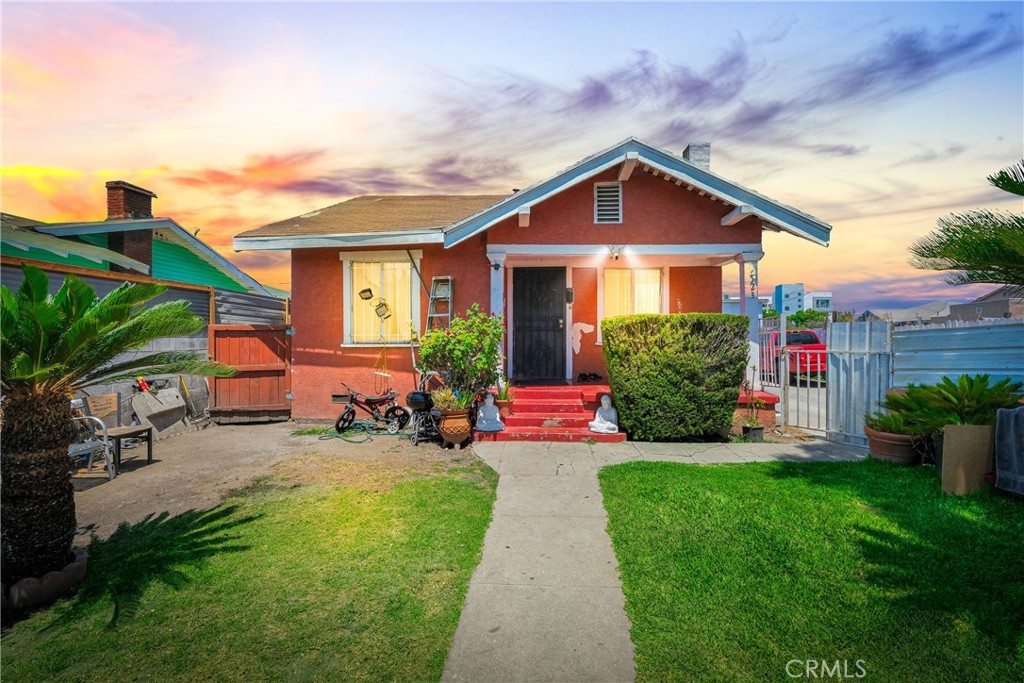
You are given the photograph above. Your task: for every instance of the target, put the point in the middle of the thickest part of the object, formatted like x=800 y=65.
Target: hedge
x=675 y=376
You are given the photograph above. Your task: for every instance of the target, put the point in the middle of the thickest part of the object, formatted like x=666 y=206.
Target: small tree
x=468 y=354
x=982 y=246
x=805 y=318
x=49 y=347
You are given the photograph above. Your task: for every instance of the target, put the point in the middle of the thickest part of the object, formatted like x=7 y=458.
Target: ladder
x=440 y=293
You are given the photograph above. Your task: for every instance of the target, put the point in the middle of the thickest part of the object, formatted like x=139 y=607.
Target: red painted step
x=548 y=419
x=547 y=405
x=530 y=393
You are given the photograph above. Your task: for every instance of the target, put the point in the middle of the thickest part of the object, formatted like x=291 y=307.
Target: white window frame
x=600 y=222
x=348 y=257
x=600 y=294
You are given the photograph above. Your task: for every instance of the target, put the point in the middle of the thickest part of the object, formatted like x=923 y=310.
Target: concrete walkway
x=545 y=603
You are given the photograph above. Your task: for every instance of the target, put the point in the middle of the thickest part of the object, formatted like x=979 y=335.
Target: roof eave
x=366 y=239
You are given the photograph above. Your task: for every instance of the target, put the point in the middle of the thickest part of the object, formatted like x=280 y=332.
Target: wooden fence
x=260 y=390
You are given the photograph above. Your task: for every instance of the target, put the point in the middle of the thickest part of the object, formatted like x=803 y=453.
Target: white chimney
x=699 y=154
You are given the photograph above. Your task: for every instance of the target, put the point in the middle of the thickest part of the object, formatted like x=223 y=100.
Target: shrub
x=675 y=376
x=467 y=354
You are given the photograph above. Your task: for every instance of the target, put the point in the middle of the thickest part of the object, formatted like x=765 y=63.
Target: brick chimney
x=125 y=200
x=698 y=154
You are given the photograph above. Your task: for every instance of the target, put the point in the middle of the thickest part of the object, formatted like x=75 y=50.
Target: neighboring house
x=789 y=298
x=935 y=311
x=732 y=304
x=631 y=229
x=818 y=301
x=1004 y=302
x=132 y=245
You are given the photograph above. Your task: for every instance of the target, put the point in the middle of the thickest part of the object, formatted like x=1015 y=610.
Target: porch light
x=615 y=251
x=366 y=294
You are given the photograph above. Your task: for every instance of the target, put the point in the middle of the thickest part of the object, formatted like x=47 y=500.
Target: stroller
x=425 y=418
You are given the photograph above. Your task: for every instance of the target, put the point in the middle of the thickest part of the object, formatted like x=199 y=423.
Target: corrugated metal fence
x=867 y=359
x=922 y=355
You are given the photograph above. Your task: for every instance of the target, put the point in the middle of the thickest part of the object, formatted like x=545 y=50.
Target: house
x=133 y=245
x=935 y=311
x=630 y=229
x=1004 y=302
x=818 y=301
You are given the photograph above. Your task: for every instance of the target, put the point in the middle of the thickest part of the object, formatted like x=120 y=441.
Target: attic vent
x=608 y=203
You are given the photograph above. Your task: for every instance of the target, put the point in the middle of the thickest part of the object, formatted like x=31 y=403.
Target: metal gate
x=797 y=376
x=860 y=365
x=260 y=390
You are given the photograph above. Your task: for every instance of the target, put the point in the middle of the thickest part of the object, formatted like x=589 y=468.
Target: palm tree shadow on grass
x=159 y=549
x=955 y=558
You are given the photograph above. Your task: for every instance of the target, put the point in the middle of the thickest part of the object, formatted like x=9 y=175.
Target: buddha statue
x=606 y=419
x=488 y=419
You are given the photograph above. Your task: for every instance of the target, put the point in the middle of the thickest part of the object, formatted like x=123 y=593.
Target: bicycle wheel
x=345 y=420
x=397 y=414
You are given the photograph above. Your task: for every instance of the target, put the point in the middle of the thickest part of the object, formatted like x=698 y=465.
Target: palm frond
x=984 y=246
x=163 y=363
x=1010 y=179
x=35 y=287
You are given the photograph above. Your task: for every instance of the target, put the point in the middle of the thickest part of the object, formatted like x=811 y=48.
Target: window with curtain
x=391 y=281
x=628 y=291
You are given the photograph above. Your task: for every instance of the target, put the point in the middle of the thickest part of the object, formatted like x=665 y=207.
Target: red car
x=805 y=351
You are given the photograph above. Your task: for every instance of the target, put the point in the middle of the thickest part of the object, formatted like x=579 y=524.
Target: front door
x=538 y=323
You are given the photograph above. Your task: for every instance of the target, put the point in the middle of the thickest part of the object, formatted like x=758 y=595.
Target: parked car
x=805 y=352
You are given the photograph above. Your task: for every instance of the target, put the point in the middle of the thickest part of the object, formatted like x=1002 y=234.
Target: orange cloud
x=260 y=172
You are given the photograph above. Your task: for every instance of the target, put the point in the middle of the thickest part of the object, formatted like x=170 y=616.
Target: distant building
x=935 y=311
x=731 y=304
x=789 y=298
x=1005 y=302
x=818 y=301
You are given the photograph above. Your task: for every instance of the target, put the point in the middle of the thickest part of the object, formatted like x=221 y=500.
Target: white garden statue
x=606 y=419
x=488 y=419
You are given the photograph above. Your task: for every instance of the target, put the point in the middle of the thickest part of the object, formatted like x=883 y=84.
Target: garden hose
x=367 y=428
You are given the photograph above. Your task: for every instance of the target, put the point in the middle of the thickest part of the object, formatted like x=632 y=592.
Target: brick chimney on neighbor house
x=699 y=154
x=127 y=201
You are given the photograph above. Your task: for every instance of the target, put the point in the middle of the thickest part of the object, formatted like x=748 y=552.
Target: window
x=391 y=281
x=608 y=203
x=631 y=291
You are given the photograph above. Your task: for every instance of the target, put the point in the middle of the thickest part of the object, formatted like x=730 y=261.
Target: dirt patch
x=198 y=470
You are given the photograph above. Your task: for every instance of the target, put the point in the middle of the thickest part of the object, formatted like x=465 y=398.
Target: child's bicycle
x=394 y=416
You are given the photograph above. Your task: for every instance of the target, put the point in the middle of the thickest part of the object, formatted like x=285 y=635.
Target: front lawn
x=732 y=572
x=358 y=576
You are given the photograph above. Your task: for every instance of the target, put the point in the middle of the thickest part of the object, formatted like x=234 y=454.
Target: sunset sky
x=875 y=117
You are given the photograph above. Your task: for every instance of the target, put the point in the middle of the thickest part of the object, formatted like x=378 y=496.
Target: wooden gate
x=262 y=356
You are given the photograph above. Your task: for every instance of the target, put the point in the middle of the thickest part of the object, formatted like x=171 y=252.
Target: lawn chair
x=107 y=409
x=90 y=437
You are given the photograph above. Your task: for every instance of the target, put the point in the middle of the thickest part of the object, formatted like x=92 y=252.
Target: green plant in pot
x=917 y=415
x=967 y=407
x=753 y=429
x=468 y=356
x=504 y=396
x=893 y=438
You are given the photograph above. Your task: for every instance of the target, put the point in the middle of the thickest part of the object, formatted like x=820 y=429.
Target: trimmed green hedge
x=675 y=376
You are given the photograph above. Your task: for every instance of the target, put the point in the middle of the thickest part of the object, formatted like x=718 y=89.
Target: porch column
x=497 y=262
x=743 y=286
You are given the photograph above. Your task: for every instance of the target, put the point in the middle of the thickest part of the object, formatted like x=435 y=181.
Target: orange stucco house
x=630 y=229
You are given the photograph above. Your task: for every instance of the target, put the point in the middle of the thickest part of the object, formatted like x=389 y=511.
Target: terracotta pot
x=504 y=407
x=900 y=449
x=967 y=454
x=455 y=427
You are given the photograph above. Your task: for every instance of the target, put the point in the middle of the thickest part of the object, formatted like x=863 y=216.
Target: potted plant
x=968 y=408
x=893 y=438
x=752 y=427
x=468 y=357
x=504 y=395
x=455 y=427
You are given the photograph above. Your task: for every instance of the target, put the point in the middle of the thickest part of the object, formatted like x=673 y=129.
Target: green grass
x=732 y=571
x=282 y=582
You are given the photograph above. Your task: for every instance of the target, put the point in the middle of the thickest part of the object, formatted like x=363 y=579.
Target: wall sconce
x=496 y=265
x=615 y=251
x=366 y=294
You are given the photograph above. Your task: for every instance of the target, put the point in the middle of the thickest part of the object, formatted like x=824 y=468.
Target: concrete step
x=530 y=393
x=563 y=435
x=548 y=419
x=547 y=405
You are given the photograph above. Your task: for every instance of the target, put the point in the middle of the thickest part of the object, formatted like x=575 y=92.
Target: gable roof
x=171 y=231
x=451 y=219
x=1004 y=292
x=659 y=161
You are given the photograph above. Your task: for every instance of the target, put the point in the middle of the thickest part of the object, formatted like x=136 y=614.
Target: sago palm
x=982 y=246
x=49 y=347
